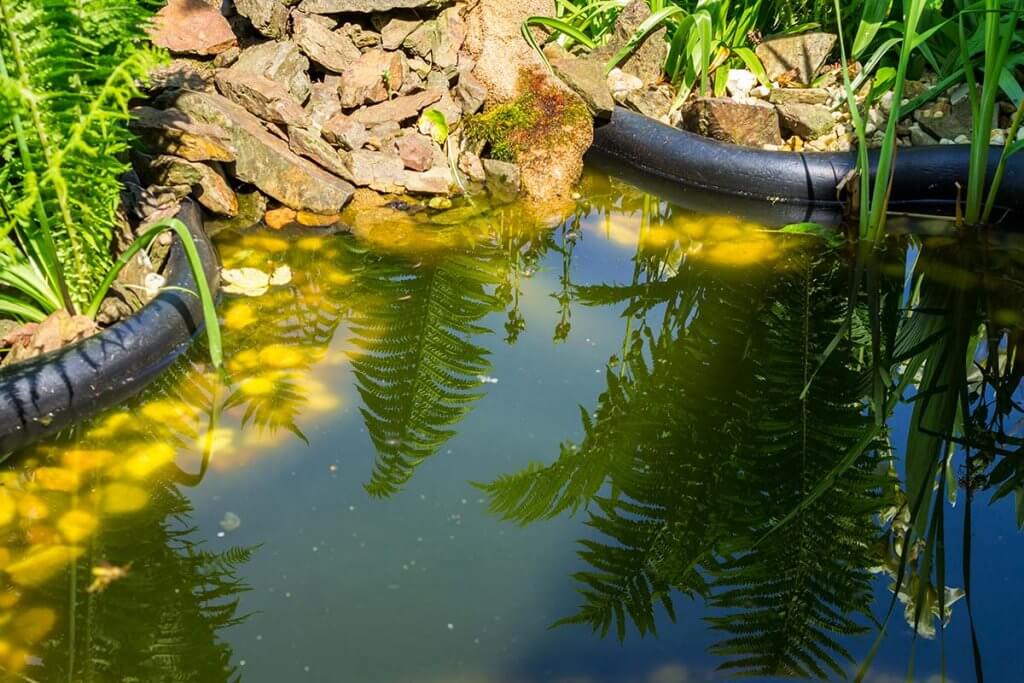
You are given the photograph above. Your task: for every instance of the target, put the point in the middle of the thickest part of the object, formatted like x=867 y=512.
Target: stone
x=437 y=180
x=803 y=54
x=174 y=132
x=945 y=121
x=316 y=220
x=345 y=132
x=367 y=6
x=648 y=61
x=191 y=27
x=267 y=162
x=269 y=17
x=470 y=93
x=333 y=51
x=739 y=83
x=252 y=205
x=324 y=103
x=471 y=165
x=652 y=101
x=621 y=83
x=280 y=218
x=280 y=61
x=502 y=179
x=227 y=58
x=440 y=40
x=495 y=41
x=166 y=169
x=261 y=96
x=806 y=120
x=798 y=95
x=377 y=170
x=919 y=138
x=373 y=77
x=309 y=144
x=214 y=193
x=399 y=109
x=397 y=29
x=451 y=110
x=416 y=151
x=587 y=79
x=181 y=73
x=382 y=135
x=724 y=119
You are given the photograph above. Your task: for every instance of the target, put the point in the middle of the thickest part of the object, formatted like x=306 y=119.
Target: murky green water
x=445 y=435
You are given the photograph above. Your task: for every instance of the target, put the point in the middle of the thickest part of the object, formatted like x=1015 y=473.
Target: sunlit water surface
x=325 y=514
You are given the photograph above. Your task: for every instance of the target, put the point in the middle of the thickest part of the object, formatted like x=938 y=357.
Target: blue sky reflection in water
x=339 y=507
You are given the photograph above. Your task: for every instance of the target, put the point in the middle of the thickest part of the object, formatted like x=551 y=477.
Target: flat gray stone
x=437 y=180
x=503 y=180
x=809 y=121
x=802 y=54
x=175 y=132
x=399 y=109
x=587 y=79
x=308 y=143
x=397 y=29
x=725 y=119
x=377 y=170
x=262 y=97
x=798 y=96
x=345 y=132
x=269 y=17
x=267 y=162
x=280 y=61
x=367 y=6
x=333 y=51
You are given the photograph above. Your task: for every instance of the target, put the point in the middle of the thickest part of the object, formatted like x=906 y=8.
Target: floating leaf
x=245 y=281
x=281 y=276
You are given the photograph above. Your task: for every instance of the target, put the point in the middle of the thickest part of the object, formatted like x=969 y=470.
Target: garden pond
x=445 y=435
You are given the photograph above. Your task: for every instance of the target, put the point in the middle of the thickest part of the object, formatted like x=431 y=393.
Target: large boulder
x=494 y=40
x=192 y=27
x=800 y=55
x=266 y=161
x=722 y=118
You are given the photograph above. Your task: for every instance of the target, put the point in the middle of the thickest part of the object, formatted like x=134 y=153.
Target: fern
x=67 y=73
x=417 y=369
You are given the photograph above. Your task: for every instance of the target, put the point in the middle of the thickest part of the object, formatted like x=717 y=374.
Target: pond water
x=446 y=434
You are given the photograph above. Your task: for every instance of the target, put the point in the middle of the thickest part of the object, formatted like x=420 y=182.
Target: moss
x=536 y=118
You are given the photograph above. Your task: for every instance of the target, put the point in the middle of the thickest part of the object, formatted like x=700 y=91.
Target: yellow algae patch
x=263 y=385
x=8 y=507
x=339 y=278
x=244 y=360
x=281 y=357
x=169 y=411
x=120 y=499
x=310 y=243
x=32 y=508
x=274 y=245
x=42 y=563
x=82 y=460
x=34 y=624
x=17 y=660
x=76 y=525
x=148 y=460
x=110 y=426
x=218 y=440
x=57 y=479
x=745 y=252
x=9 y=598
x=239 y=316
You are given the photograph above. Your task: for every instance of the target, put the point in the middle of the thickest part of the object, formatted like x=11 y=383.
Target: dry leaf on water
x=253 y=281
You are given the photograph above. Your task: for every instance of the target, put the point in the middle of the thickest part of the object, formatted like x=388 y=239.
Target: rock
x=945 y=121
x=439 y=40
x=739 y=83
x=34 y=339
x=309 y=144
x=399 y=109
x=181 y=73
x=451 y=110
x=281 y=62
x=377 y=170
x=269 y=17
x=382 y=135
x=281 y=217
x=586 y=77
x=265 y=161
x=803 y=53
x=621 y=83
x=174 y=132
x=919 y=138
x=316 y=220
x=367 y=6
x=323 y=103
x=166 y=169
x=495 y=41
x=373 y=77
x=214 y=193
x=397 y=29
x=471 y=165
x=227 y=58
x=648 y=61
x=798 y=95
x=209 y=184
x=437 y=180
x=652 y=101
x=502 y=179
x=333 y=51
x=191 y=27
x=252 y=205
x=806 y=120
x=261 y=96
x=724 y=119
x=345 y=132
x=416 y=151
x=470 y=93
x=362 y=38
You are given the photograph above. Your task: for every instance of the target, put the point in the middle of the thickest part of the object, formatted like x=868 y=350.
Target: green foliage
x=416 y=366
x=67 y=73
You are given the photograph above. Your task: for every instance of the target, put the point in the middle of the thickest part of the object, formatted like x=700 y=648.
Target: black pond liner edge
x=45 y=395
x=778 y=188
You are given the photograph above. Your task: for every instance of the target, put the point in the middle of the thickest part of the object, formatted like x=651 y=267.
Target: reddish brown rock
x=416 y=151
x=192 y=27
x=281 y=217
x=399 y=109
x=372 y=78
x=729 y=121
x=343 y=131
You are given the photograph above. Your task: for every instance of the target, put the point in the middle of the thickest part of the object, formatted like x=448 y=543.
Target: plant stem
x=997 y=179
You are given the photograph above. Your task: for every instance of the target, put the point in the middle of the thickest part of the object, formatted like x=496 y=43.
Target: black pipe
x=777 y=188
x=44 y=395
